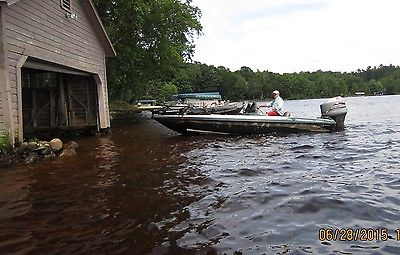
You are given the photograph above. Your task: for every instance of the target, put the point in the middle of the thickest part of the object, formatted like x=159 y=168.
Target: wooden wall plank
x=52 y=19
x=40 y=29
x=17 y=39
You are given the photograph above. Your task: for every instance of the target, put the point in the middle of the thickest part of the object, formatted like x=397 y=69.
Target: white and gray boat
x=333 y=113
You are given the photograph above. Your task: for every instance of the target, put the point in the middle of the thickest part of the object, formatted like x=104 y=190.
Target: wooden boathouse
x=52 y=67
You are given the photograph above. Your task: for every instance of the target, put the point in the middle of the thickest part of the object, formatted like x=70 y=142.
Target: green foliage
x=5 y=145
x=166 y=91
x=247 y=84
x=152 y=39
x=121 y=105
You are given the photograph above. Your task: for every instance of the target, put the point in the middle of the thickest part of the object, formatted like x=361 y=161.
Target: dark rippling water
x=145 y=190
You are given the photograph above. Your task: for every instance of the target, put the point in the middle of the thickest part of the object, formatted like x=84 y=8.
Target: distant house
x=360 y=93
x=52 y=66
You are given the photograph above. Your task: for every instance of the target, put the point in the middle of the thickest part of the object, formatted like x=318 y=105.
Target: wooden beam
x=45 y=106
x=106 y=104
x=20 y=63
x=62 y=104
x=79 y=102
x=88 y=111
x=52 y=108
x=101 y=101
x=53 y=68
x=71 y=115
x=5 y=88
x=33 y=113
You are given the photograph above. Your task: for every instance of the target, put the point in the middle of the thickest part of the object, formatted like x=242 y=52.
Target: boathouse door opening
x=58 y=101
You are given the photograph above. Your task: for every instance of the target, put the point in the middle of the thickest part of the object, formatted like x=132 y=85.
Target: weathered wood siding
x=6 y=124
x=40 y=29
x=2 y=73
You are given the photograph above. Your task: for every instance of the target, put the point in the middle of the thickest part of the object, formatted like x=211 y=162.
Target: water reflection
x=142 y=189
x=107 y=156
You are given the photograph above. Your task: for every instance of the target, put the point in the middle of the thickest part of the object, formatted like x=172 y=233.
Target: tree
x=167 y=90
x=240 y=88
x=375 y=86
x=152 y=38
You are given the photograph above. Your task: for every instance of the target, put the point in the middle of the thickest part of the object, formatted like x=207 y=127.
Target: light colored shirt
x=277 y=105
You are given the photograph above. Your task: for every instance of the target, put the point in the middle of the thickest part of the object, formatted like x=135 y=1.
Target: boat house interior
x=58 y=100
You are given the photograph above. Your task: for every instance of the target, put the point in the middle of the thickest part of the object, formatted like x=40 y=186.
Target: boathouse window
x=66 y=5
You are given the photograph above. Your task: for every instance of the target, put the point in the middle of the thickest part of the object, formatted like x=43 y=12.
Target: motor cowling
x=336 y=109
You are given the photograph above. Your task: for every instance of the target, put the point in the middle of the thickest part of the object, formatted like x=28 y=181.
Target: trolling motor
x=335 y=108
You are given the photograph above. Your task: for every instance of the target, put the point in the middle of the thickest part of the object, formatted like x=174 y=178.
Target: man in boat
x=276 y=105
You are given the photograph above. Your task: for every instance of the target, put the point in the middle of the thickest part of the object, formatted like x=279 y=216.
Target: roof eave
x=94 y=17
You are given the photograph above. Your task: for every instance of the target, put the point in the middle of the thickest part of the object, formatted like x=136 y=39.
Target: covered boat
x=182 y=109
x=333 y=113
x=197 y=104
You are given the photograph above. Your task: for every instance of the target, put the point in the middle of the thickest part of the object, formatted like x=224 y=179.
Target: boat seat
x=251 y=108
x=287 y=114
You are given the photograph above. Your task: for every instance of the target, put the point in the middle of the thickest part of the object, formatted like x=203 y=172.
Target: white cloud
x=303 y=35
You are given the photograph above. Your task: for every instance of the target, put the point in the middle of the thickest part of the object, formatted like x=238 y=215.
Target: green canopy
x=200 y=96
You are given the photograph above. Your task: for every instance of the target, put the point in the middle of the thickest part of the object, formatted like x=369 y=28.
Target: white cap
x=275 y=92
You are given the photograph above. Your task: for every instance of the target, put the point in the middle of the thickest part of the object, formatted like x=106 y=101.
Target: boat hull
x=244 y=124
x=179 y=110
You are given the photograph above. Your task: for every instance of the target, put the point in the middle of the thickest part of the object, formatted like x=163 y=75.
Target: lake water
x=143 y=189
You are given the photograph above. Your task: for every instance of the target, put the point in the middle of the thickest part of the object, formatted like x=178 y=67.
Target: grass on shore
x=116 y=105
x=5 y=145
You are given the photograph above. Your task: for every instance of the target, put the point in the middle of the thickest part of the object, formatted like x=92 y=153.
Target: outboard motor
x=336 y=109
x=249 y=107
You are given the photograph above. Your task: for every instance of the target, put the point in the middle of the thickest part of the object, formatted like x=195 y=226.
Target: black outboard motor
x=335 y=108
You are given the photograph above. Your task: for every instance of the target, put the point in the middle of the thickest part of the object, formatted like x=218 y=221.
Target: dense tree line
x=154 y=40
x=247 y=84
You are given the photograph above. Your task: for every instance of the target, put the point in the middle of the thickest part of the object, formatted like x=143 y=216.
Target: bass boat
x=333 y=113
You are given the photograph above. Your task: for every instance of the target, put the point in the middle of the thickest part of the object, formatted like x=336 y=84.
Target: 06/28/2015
x=356 y=234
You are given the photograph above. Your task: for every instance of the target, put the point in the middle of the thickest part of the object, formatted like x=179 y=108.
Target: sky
x=286 y=36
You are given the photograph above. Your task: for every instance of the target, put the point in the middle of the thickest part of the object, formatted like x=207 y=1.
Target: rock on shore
x=35 y=151
x=56 y=144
